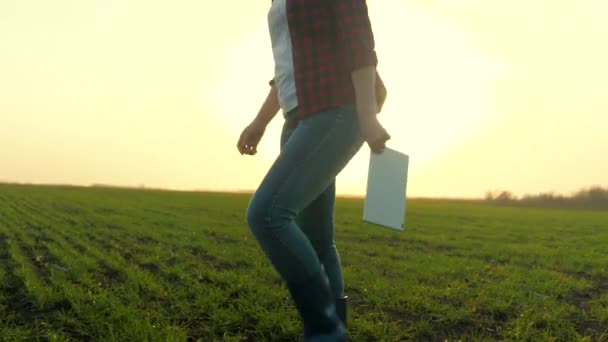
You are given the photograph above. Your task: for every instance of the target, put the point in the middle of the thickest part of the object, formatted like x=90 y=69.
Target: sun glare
x=438 y=83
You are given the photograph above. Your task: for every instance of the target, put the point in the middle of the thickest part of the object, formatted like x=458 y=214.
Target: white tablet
x=386 y=189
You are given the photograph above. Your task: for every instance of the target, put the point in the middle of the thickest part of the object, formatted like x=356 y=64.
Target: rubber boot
x=341 y=309
x=317 y=309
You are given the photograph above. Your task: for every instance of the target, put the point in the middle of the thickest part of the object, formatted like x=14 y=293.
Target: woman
x=326 y=83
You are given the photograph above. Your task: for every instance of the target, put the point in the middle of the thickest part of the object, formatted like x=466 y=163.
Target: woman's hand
x=252 y=134
x=374 y=134
x=250 y=138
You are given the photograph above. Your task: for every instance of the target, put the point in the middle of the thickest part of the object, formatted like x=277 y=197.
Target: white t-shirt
x=283 y=55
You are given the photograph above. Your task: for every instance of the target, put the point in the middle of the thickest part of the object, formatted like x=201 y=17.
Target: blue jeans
x=291 y=213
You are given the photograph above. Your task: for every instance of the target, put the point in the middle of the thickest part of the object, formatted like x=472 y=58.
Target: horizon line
x=234 y=191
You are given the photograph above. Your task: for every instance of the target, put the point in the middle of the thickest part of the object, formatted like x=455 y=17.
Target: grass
x=132 y=265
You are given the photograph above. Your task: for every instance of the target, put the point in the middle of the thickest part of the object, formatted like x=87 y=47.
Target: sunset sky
x=482 y=95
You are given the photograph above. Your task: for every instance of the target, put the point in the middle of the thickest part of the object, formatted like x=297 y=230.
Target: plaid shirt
x=330 y=39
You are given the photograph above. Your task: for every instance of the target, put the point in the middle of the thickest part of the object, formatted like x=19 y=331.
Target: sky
x=482 y=95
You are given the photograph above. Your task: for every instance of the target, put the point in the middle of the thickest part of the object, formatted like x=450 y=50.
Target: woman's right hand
x=250 y=138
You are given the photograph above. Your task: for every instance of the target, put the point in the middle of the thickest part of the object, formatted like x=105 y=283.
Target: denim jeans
x=291 y=213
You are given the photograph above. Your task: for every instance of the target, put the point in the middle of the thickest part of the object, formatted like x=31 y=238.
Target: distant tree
x=505 y=196
x=594 y=196
x=499 y=195
x=489 y=196
x=594 y=193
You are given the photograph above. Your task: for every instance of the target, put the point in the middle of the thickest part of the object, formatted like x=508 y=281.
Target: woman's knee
x=256 y=214
x=267 y=215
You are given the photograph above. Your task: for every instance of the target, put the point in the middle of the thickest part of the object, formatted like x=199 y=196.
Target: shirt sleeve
x=355 y=30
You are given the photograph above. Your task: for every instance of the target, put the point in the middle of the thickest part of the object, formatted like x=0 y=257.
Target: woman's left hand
x=374 y=134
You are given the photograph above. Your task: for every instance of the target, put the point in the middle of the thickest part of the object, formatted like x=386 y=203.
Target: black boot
x=316 y=307
x=341 y=309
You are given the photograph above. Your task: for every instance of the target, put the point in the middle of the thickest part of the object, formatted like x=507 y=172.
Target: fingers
x=379 y=144
x=239 y=145
x=377 y=147
x=243 y=145
x=250 y=149
x=247 y=144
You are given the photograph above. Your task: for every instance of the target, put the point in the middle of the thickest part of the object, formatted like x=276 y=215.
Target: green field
x=133 y=265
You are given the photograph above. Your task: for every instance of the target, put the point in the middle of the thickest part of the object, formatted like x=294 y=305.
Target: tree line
x=595 y=197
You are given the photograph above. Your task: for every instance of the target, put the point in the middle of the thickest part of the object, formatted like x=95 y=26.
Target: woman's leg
x=317 y=150
x=317 y=222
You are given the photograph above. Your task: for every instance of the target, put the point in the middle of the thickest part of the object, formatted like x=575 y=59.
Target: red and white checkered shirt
x=330 y=39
